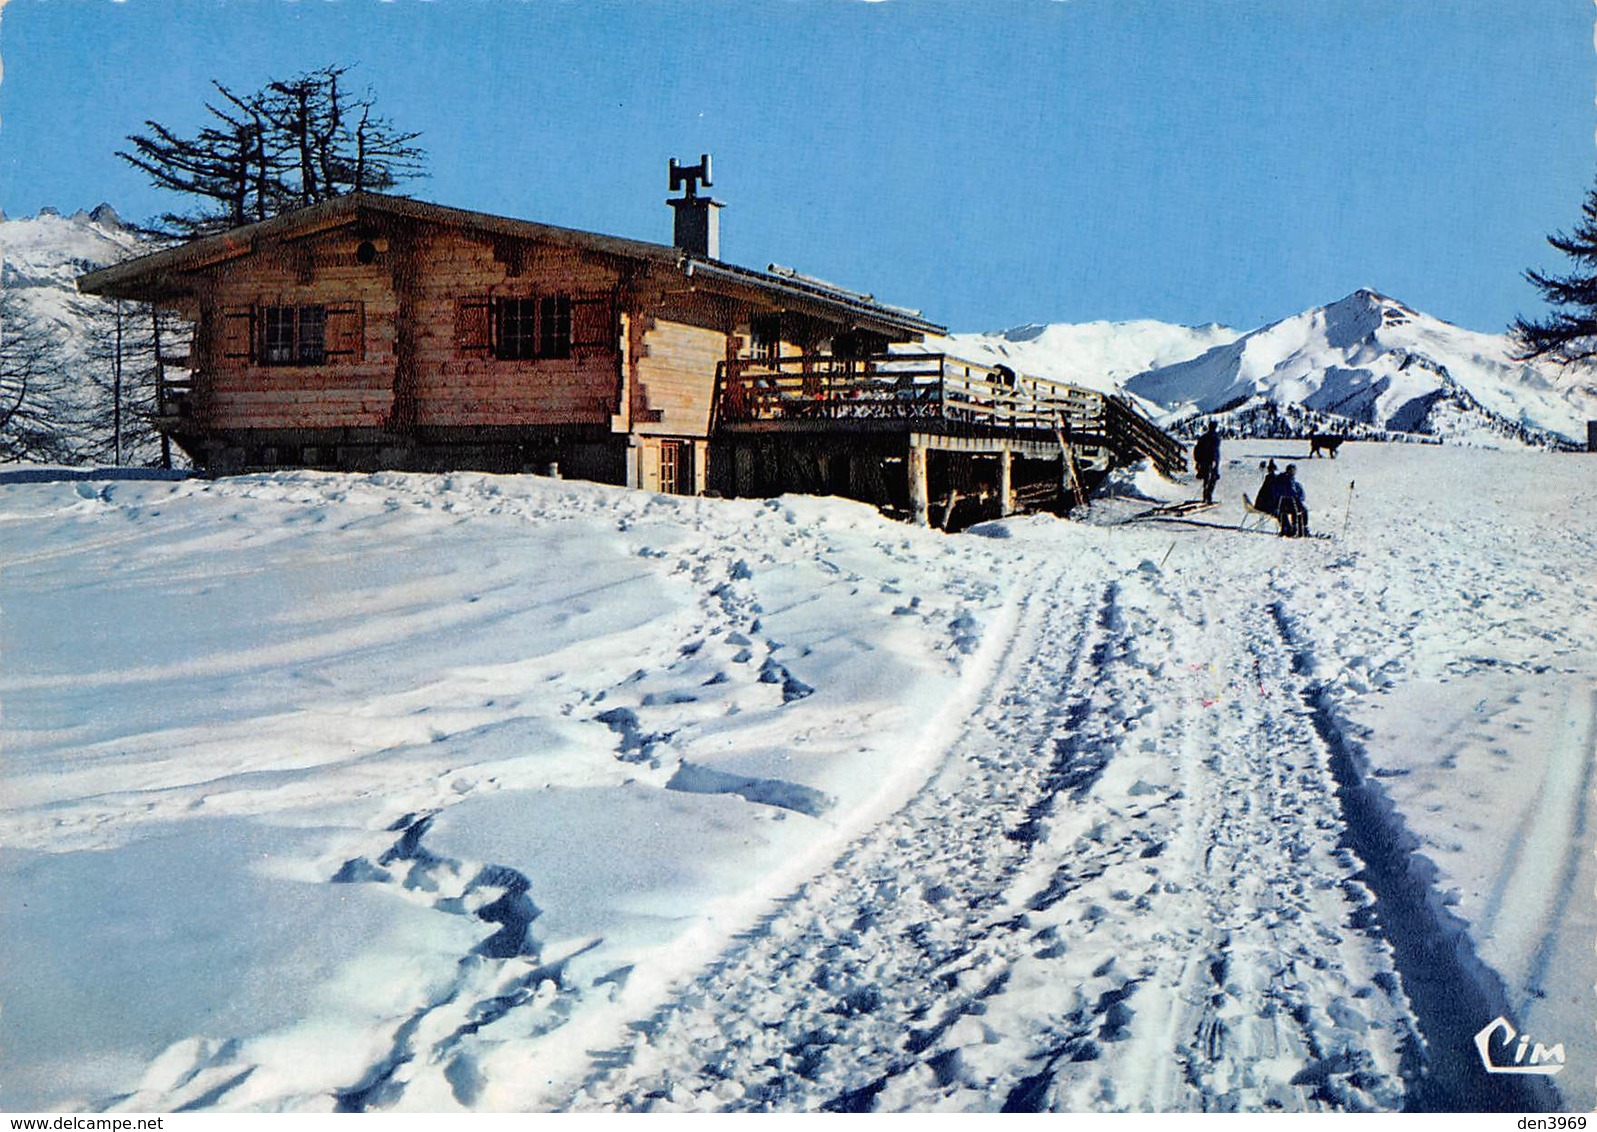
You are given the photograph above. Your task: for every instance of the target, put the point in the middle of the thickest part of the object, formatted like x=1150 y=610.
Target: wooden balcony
x=931 y=391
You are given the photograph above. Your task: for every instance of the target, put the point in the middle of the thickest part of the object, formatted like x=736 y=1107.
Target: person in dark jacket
x=1292 y=508
x=1268 y=498
x=1206 y=458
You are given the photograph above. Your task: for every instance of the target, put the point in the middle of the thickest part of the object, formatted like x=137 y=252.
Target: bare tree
x=292 y=143
x=116 y=423
x=229 y=165
x=35 y=405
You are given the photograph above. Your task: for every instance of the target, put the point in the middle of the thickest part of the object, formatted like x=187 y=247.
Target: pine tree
x=294 y=142
x=1570 y=334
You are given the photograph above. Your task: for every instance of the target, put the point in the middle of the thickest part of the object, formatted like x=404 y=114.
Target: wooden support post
x=1006 y=483
x=160 y=384
x=1067 y=453
x=701 y=466
x=919 y=494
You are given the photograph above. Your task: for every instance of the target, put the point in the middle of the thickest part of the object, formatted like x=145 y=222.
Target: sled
x=1250 y=512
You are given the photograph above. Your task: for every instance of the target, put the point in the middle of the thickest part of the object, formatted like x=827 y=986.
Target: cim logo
x=1508 y=1056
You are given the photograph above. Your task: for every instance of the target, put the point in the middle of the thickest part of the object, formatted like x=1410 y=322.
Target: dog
x=1326 y=444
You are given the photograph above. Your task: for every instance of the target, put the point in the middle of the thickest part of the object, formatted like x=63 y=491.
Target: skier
x=1206 y=458
x=1292 y=510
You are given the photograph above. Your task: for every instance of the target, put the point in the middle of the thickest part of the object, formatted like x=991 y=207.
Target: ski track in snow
x=995 y=963
x=1150 y=865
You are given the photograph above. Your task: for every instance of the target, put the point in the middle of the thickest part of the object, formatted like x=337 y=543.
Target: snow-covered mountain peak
x=1371 y=362
x=1097 y=355
x=103 y=215
x=1361 y=314
x=59 y=247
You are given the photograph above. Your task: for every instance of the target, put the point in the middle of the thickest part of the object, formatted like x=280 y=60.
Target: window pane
x=312 y=335
x=277 y=342
x=555 y=327
x=517 y=325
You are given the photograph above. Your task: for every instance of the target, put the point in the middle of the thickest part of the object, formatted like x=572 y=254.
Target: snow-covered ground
x=424 y=792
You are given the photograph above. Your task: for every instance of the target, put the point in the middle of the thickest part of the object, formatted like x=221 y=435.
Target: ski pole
x=1348 y=511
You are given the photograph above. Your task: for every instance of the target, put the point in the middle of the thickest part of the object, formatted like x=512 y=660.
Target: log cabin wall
x=464 y=374
x=679 y=343
x=350 y=385
x=677 y=378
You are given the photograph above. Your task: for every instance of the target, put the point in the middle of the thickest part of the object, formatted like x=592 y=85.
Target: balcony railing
x=908 y=387
x=934 y=388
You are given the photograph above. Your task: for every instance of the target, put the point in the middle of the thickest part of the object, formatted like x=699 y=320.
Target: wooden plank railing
x=1129 y=431
x=898 y=387
x=938 y=387
x=822 y=387
x=980 y=394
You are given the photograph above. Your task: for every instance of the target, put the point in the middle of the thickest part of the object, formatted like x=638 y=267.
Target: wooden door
x=676 y=467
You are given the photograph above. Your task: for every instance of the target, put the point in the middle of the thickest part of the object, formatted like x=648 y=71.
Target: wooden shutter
x=238 y=333
x=473 y=329
x=346 y=332
x=593 y=326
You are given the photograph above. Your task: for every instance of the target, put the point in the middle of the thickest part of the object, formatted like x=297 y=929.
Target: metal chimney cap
x=690 y=176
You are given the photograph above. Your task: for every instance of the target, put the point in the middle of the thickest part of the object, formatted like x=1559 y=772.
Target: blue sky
x=992 y=162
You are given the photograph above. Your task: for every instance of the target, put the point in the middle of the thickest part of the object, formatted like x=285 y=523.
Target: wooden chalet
x=373 y=331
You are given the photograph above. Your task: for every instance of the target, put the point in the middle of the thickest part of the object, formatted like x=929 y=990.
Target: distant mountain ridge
x=42 y=256
x=1096 y=355
x=1369 y=360
x=1366 y=365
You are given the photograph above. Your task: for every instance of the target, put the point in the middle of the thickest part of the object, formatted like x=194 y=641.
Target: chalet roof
x=165 y=275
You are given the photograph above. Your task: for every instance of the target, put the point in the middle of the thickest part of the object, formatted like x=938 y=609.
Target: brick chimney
x=697 y=230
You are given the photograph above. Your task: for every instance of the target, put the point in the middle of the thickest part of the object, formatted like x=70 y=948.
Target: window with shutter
x=238 y=334
x=525 y=328
x=473 y=332
x=346 y=332
x=293 y=336
x=593 y=328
